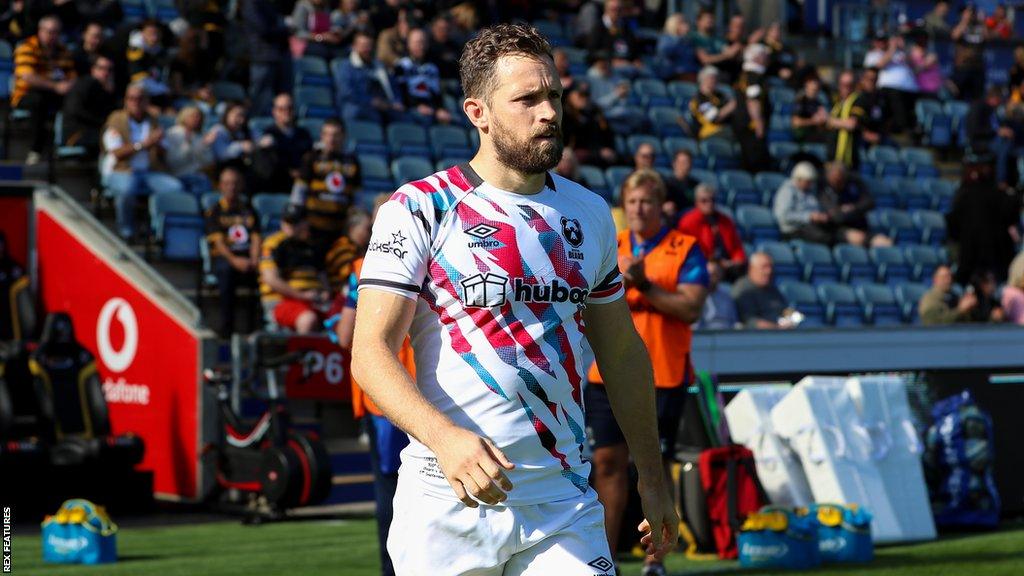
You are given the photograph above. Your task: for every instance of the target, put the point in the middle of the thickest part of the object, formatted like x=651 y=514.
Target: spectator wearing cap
x=419 y=82
x=293 y=276
x=797 y=209
x=896 y=79
x=969 y=36
x=986 y=130
x=676 y=50
x=759 y=303
x=43 y=73
x=1013 y=292
x=585 y=128
x=189 y=153
x=719 y=311
x=88 y=104
x=282 y=147
x=233 y=235
x=132 y=164
x=847 y=200
x=270 y=61
x=940 y=305
x=846 y=122
x=715 y=232
x=809 y=115
x=750 y=122
x=363 y=86
x=680 y=186
x=710 y=108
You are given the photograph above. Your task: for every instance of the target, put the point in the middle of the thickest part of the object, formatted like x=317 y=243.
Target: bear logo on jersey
x=572 y=231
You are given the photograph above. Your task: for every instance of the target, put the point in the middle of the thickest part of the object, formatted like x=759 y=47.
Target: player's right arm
x=389 y=288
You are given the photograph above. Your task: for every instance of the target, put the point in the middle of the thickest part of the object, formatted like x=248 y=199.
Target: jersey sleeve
x=609 y=283
x=694 y=269
x=397 y=257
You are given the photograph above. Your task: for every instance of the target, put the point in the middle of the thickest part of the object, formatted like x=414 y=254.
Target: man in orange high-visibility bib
x=666 y=277
x=386 y=440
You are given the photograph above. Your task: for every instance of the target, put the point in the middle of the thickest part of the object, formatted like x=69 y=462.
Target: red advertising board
x=323 y=373
x=14 y=212
x=147 y=361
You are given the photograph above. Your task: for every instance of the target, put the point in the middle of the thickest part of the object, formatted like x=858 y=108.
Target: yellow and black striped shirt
x=331 y=181
x=234 y=224
x=705 y=110
x=30 y=58
x=296 y=262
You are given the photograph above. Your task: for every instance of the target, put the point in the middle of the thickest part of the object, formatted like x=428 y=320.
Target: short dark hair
x=476 y=65
x=682 y=152
x=336 y=122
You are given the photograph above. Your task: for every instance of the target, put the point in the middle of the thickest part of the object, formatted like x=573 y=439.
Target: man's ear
x=477 y=112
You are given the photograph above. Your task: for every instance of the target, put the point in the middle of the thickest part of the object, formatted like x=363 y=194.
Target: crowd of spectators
x=142 y=95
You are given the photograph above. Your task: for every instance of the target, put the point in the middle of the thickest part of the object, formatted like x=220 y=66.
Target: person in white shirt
x=493 y=268
x=896 y=80
x=132 y=162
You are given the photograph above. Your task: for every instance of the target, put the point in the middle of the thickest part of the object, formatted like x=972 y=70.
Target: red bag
x=733 y=492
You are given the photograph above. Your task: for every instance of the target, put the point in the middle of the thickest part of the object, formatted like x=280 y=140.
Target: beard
x=527 y=156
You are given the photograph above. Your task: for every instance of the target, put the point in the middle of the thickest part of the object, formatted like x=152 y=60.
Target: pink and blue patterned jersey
x=501 y=281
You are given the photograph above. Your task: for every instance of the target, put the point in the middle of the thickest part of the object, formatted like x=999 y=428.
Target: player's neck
x=501 y=176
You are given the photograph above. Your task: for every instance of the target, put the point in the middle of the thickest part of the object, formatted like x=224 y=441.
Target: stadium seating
x=229 y=91
x=817 y=262
x=594 y=179
x=673 y=144
x=881 y=190
x=164 y=10
x=855 y=266
x=841 y=305
x=315 y=102
x=769 y=183
x=932 y=225
x=367 y=138
x=942 y=192
x=259 y=124
x=615 y=176
x=666 y=121
x=634 y=141
x=720 y=153
x=880 y=305
x=408 y=139
x=739 y=188
x=177 y=224
x=784 y=264
x=912 y=194
x=134 y=10
x=652 y=92
x=312 y=125
x=409 y=168
x=208 y=200
x=449 y=141
x=891 y=263
x=908 y=294
x=706 y=176
x=682 y=92
x=270 y=208
x=924 y=260
x=376 y=173
x=756 y=223
x=804 y=299
x=312 y=71
x=896 y=224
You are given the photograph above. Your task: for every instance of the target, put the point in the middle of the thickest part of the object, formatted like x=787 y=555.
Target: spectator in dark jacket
x=88 y=104
x=679 y=187
x=847 y=200
x=282 y=147
x=88 y=49
x=444 y=51
x=270 y=68
x=985 y=130
x=363 y=87
x=676 y=50
x=419 y=82
x=715 y=233
x=759 y=302
x=585 y=128
x=612 y=36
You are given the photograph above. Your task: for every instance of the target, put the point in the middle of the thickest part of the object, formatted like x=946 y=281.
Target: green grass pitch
x=349 y=548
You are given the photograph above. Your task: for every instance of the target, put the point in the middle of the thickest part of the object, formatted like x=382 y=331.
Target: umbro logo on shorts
x=602 y=564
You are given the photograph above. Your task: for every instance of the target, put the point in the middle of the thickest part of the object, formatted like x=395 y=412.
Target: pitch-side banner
x=147 y=360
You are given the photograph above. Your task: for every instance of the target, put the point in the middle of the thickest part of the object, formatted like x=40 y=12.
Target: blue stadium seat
x=938 y=131
x=769 y=183
x=674 y=144
x=882 y=192
x=912 y=195
x=957 y=111
x=781 y=95
x=706 y=176
x=782 y=151
x=178 y=225
x=553 y=31
x=942 y=192
x=841 y=305
x=312 y=125
x=666 y=121
x=270 y=208
x=880 y=305
x=892 y=265
x=635 y=140
x=779 y=129
x=259 y=124
x=315 y=102
x=932 y=225
x=6 y=56
x=883 y=154
x=408 y=139
x=448 y=162
x=855 y=265
x=208 y=200
x=366 y=138
x=739 y=188
x=757 y=223
x=594 y=179
x=908 y=294
x=720 y=154
x=803 y=298
x=408 y=168
x=63 y=151
x=923 y=260
x=164 y=10
x=134 y=10
x=784 y=264
x=912 y=155
x=682 y=92
x=615 y=176
x=896 y=224
x=817 y=262
x=229 y=91
x=312 y=71
x=819 y=151
x=449 y=141
x=925 y=109
x=376 y=173
x=652 y=92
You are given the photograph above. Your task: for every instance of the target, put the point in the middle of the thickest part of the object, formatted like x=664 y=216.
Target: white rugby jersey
x=501 y=280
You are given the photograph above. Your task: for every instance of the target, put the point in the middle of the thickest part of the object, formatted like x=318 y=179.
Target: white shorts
x=432 y=536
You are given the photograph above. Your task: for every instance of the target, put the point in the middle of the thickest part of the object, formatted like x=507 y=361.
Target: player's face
x=643 y=209
x=526 y=114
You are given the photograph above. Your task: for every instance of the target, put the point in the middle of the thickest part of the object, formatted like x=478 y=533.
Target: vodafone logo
x=335 y=182
x=117 y=360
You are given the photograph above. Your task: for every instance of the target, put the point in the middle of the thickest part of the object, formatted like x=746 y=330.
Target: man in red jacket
x=716 y=233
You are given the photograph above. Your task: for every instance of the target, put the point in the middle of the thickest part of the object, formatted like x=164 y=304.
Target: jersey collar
x=475 y=180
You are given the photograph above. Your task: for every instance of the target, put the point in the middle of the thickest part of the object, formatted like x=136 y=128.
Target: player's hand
x=474 y=467
x=661 y=525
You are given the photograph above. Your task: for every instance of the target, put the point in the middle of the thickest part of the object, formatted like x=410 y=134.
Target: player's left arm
x=687 y=301
x=629 y=379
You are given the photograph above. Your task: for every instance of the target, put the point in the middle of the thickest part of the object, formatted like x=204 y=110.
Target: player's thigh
x=432 y=536
x=577 y=549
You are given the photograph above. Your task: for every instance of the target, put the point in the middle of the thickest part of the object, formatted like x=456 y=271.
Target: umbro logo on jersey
x=484 y=290
x=601 y=564
x=482 y=233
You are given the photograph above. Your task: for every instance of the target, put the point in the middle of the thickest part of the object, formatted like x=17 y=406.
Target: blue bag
x=779 y=538
x=80 y=533
x=844 y=533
